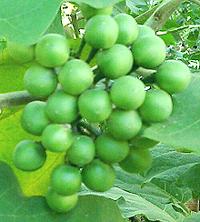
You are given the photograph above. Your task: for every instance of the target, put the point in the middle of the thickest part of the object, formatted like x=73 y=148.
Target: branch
x=178 y=29
x=162 y=14
x=14 y=99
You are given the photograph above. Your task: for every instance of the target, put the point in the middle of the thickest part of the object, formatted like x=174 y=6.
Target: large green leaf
x=97 y=3
x=193 y=218
x=17 y=208
x=182 y=129
x=32 y=183
x=25 y=21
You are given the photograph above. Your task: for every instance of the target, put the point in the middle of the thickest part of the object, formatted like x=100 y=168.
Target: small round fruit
x=98 y=176
x=173 y=76
x=128 y=29
x=128 y=92
x=20 y=53
x=101 y=31
x=111 y=150
x=95 y=105
x=157 y=106
x=62 y=108
x=40 y=81
x=149 y=51
x=89 y=11
x=82 y=151
x=29 y=155
x=75 y=77
x=115 y=62
x=66 y=180
x=57 y=138
x=145 y=31
x=137 y=161
x=124 y=125
x=52 y=50
x=60 y=203
x=34 y=119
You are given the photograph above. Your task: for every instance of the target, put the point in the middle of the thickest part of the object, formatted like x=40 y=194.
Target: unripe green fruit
x=124 y=125
x=29 y=155
x=34 y=119
x=52 y=50
x=95 y=105
x=115 y=62
x=62 y=108
x=82 y=151
x=173 y=76
x=128 y=92
x=20 y=53
x=137 y=161
x=101 y=31
x=111 y=150
x=128 y=29
x=57 y=138
x=66 y=180
x=157 y=106
x=149 y=51
x=145 y=31
x=60 y=203
x=98 y=176
x=75 y=77
x=89 y=11
x=40 y=81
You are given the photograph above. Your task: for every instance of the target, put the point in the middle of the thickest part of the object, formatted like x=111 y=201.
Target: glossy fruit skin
x=34 y=119
x=98 y=176
x=145 y=31
x=89 y=11
x=82 y=151
x=137 y=161
x=61 y=107
x=128 y=29
x=157 y=106
x=101 y=31
x=29 y=155
x=52 y=50
x=124 y=125
x=60 y=203
x=66 y=180
x=149 y=51
x=39 y=81
x=94 y=105
x=173 y=76
x=57 y=138
x=20 y=53
x=128 y=92
x=115 y=62
x=111 y=150
x=75 y=77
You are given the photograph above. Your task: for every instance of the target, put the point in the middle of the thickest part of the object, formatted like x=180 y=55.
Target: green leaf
x=26 y=21
x=16 y=208
x=97 y=3
x=182 y=129
x=32 y=183
x=193 y=218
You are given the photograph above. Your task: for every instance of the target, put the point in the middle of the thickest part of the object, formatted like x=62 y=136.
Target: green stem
x=81 y=47
x=14 y=99
x=91 y=55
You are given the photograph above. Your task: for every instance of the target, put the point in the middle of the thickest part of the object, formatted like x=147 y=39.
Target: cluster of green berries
x=67 y=94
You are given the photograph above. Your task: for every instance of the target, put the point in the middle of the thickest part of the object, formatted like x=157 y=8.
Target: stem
x=162 y=14
x=90 y=128
x=82 y=45
x=14 y=99
x=178 y=29
x=91 y=55
x=75 y=25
